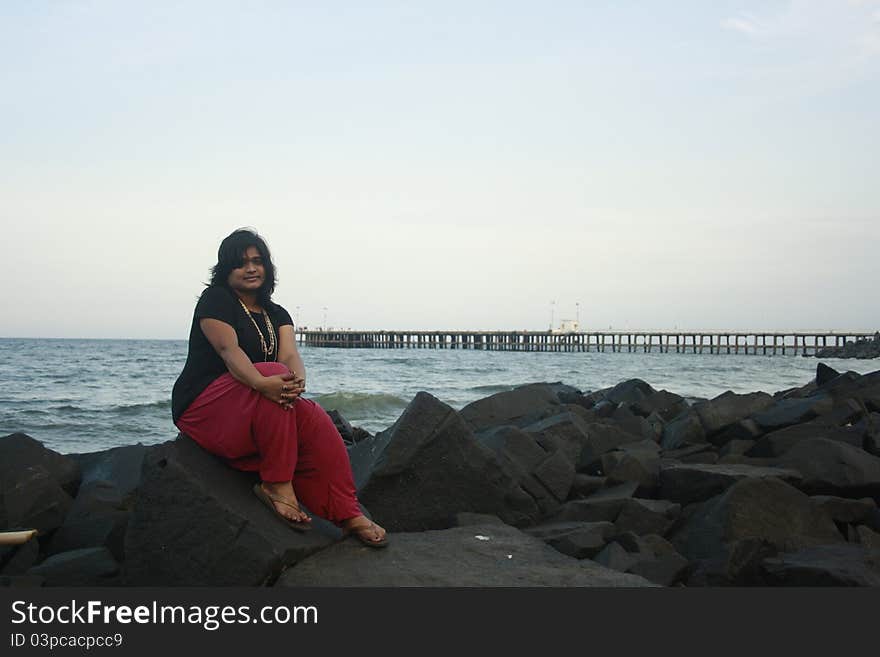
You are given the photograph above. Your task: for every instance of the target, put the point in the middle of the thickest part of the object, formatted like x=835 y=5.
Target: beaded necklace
x=270 y=350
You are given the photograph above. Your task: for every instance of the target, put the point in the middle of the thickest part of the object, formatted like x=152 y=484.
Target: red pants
x=300 y=444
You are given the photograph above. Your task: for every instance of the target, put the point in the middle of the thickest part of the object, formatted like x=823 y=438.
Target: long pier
x=699 y=342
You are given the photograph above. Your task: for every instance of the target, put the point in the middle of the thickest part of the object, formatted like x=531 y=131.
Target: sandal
x=360 y=534
x=269 y=501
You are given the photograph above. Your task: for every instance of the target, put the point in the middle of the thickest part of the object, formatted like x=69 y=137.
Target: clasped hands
x=282 y=389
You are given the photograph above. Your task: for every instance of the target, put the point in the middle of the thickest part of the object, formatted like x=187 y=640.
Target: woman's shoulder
x=216 y=292
x=215 y=299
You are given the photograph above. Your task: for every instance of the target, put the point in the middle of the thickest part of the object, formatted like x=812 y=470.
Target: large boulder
x=832 y=466
x=627 y=392
x=196 y=522
x=786 y=412
x=119 y=465
x=521 y=406
x=753 y=516
x=535 y=465
x=687 y=483
x=32 y=498
x=777 y=443
x=602 y=438
x=683 y=431
x=19 y=451
x=428 y=466
x=96 y=518
x=476 y=555
x=725 y=409
x=665 y=404
x=565 y=431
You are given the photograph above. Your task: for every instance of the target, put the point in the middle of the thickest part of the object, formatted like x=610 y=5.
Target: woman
x=239 y=396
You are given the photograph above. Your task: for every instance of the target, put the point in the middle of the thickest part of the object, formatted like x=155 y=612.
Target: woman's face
x=248 y=278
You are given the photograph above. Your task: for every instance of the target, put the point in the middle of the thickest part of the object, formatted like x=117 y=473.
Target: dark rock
x=867 y=537
x=685 y=452
x=602 y=438
x=860 y=348
x=33 y=498
x=735 y=564
x=520 y=406
x=683 y=431
x=844 y=510
x=604 y=409
x=729 y=407
x=764 y=509
x=585 y=485
x=830 y=466
x=614 y=556
x=19 y=451
x=119 y=465
x=746 y=429
x=604 y=505
x=706 y=457
x=870 y=426
x=665 y=570
x=667 y=405
x=86 y=567
x=642 y=516
x=564 y=431
x=824 y=374
x=196 y=522
x=427 y=467
x=736 y=447
x=343 y=426
x=22 y=557
x=778 y=443
x=695 y=483
x=581 y=540
x=825 y=565
x=359 y=434
x=489 y=555
x=786 y=412
x=96 y=518
x=640 y=466
x=631 y=423
x=628 y=392
x=741 y=459
x=556 y=472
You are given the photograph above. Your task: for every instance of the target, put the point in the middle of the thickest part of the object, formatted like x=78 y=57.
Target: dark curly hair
x=230 y=256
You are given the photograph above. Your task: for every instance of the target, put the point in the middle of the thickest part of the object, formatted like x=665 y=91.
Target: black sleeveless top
x=203 y=363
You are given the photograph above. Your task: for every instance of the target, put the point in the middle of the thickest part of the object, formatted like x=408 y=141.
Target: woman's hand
x=281 y=388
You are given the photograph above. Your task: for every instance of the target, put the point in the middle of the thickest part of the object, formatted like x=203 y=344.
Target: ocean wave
x=360 y=404
x=134 y=409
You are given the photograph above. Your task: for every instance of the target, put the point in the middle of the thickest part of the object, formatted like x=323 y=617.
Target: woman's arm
x=225 y=342
x=288 y=353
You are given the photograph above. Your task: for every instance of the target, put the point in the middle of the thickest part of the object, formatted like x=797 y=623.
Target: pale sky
x=443 y=164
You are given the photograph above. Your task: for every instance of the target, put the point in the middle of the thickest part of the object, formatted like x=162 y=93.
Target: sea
x=79 y=396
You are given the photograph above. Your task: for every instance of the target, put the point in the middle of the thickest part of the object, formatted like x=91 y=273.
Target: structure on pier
x=712 y=342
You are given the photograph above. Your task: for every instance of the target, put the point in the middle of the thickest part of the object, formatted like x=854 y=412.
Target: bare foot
x=364 y=528
x=282 y=496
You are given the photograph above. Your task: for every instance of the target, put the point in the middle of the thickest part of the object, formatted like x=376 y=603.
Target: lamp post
x=577 y=314
x=552 y=308
x=324 y=326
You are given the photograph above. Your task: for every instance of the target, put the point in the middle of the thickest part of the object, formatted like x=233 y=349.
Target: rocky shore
x=862 y=348
x=543 y=485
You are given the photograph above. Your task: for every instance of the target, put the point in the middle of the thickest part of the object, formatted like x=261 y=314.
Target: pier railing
x=711 y=342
